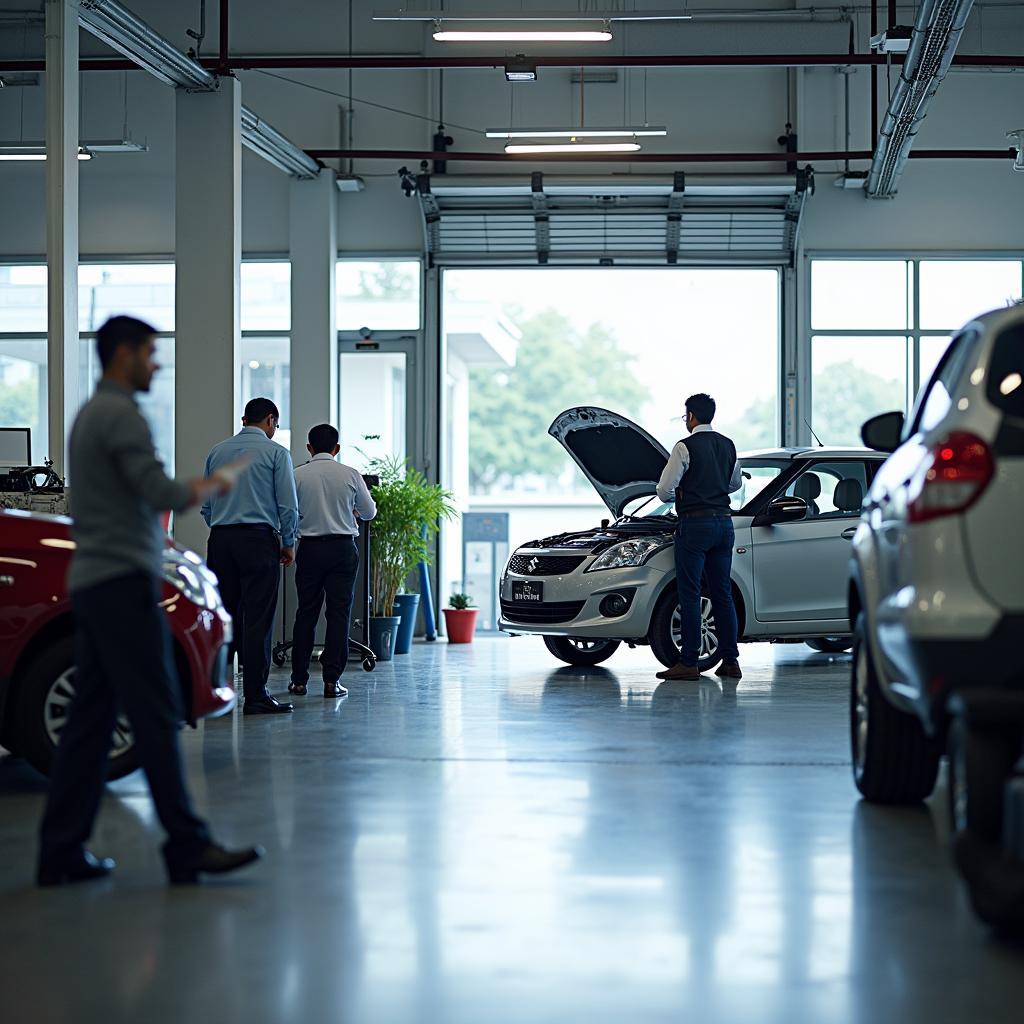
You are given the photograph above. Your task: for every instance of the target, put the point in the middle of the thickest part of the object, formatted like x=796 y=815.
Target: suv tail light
x=955 y=475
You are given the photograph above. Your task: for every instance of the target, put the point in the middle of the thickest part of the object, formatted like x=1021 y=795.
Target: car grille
x=544 y=565
x=541 y=614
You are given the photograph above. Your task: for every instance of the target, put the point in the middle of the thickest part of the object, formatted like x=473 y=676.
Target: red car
x=37 y=664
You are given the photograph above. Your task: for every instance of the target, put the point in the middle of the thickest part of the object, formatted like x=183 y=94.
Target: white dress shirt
x=679 y=462
x=332 y=497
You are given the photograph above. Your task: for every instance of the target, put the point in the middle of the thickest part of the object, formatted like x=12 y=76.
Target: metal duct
x=933 y=44
x=269 y=143
x=122 y=30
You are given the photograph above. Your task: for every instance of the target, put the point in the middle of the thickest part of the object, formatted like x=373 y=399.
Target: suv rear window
x=1006 y=372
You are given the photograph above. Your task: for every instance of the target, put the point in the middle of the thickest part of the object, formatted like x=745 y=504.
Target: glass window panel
x=266 y=373
x=381 y=295
x=266 y=296
x=143 y=290
x=372 y=387
x=859 y=295
x=817 y=486
x=157 y=405
x=853 y=379
x=23 y=390
x=954 y=291
x=931 y=352
x=22 y=298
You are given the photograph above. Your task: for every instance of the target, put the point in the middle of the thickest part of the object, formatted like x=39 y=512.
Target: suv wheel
x=894 y=761
x=666 y=634
x=575 y=650
x=830 y=644
x=41 y=701
x=980 y=762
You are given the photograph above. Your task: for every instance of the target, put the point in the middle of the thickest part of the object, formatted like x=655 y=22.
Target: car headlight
x=629 y=552
x=185 y=571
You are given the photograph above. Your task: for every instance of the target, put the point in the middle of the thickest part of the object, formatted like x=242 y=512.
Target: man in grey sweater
x=122 y=645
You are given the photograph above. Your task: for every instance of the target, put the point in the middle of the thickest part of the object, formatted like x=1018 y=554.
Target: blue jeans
x=703 y=547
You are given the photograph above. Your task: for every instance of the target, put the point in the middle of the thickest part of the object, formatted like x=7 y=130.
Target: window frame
x=914 y=333
x=810 y=465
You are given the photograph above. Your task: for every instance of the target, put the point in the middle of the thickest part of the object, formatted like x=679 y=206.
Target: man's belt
x=702 y=513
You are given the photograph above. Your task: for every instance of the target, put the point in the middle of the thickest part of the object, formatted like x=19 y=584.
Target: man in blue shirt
x=252 y=534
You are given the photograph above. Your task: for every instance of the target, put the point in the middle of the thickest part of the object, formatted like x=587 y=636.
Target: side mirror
x=883 y=433
x=782 y=510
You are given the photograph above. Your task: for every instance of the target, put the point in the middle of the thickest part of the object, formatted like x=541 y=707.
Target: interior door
x=377 y=398
x=801 y=569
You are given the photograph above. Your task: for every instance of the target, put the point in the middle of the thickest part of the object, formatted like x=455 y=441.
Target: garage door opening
x=524 y=344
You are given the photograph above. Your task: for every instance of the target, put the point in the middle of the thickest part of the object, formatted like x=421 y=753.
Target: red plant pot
x=460 y=624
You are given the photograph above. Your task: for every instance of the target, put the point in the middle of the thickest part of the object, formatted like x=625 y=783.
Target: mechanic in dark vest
x=700 y=475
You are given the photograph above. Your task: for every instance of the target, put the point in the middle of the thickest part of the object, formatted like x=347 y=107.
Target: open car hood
x=620 y=459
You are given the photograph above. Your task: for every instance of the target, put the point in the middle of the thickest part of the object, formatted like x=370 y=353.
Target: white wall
x=128 y=205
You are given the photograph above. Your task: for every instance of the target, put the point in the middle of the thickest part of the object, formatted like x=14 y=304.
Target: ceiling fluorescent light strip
x=535 y=16
x=443 y=35
x=14 y=152
x=575 y=133
x=572 y=147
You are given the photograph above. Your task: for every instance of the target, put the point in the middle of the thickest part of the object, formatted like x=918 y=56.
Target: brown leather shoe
x=729 y=670
x=680 y=671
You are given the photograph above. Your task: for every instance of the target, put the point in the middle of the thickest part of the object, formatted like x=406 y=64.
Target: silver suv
x=937 y=590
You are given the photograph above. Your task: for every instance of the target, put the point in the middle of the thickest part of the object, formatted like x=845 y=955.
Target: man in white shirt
x=332 y=499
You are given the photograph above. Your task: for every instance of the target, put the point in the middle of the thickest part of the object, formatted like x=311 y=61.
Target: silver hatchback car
x=587 y=592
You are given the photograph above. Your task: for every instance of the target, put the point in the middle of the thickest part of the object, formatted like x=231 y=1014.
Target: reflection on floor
x=477 y=835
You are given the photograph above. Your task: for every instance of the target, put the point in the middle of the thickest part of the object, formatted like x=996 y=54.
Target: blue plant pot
x=406 y=607
x=383 y=634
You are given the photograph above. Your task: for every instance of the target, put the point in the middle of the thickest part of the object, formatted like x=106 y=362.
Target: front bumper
x=571 y=605
x=204 y=637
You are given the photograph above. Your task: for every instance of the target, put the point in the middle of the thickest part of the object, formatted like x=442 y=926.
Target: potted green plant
x=409 y=513
x=460 y=619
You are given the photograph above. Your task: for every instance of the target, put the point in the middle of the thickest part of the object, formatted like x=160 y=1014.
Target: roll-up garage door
x=752 y=220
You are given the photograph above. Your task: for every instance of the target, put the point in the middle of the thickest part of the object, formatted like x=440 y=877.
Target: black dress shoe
x=267 y=706
x=333 y=690
x=213 y=860
x=86 y=869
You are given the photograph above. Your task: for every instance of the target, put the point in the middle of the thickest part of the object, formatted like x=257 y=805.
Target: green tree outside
x=844 y=396
x=557 y=366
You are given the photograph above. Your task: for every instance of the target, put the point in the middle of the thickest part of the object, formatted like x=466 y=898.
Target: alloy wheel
x=860 y=711
x=55 y=715
x=708 y=634
x=586 y=646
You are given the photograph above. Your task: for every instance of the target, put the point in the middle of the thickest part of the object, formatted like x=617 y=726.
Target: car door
x=801 y=568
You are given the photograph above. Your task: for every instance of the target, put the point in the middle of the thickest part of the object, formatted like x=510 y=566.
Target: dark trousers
x=247 y=561
x=703 y=547
x=324 y=566
x=124 y=663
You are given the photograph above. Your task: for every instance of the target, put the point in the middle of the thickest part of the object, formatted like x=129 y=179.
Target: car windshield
x=758 y=473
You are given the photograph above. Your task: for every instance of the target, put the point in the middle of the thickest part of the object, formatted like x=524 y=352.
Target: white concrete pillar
x=64 y=393
x=313 y=243
x=208 y=254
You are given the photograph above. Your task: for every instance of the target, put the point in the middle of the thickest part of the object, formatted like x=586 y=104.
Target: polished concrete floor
x=477 y=835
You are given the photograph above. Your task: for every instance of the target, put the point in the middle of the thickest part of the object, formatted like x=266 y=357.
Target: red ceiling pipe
x=377 y=63
x=224 y=54
x=641 y=158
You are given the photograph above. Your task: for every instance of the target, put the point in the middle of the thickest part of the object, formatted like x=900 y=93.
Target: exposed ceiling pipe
x=656 y=158
x=126 y=33
x=403 y=63
x=937 y=31
x=123 y=31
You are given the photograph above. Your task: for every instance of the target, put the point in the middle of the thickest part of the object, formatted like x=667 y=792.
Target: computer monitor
x=15 y=447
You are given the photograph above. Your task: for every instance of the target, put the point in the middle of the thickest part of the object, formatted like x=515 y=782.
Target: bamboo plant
x=409 y=514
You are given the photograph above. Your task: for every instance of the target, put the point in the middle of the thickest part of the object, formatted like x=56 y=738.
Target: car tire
x=40 y=700
x=980 y=763
x=664 y=630
x=574 y=650
x=894 y=760
x=830 y=644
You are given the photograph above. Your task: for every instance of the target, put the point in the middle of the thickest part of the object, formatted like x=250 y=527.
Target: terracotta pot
x=460 y=624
